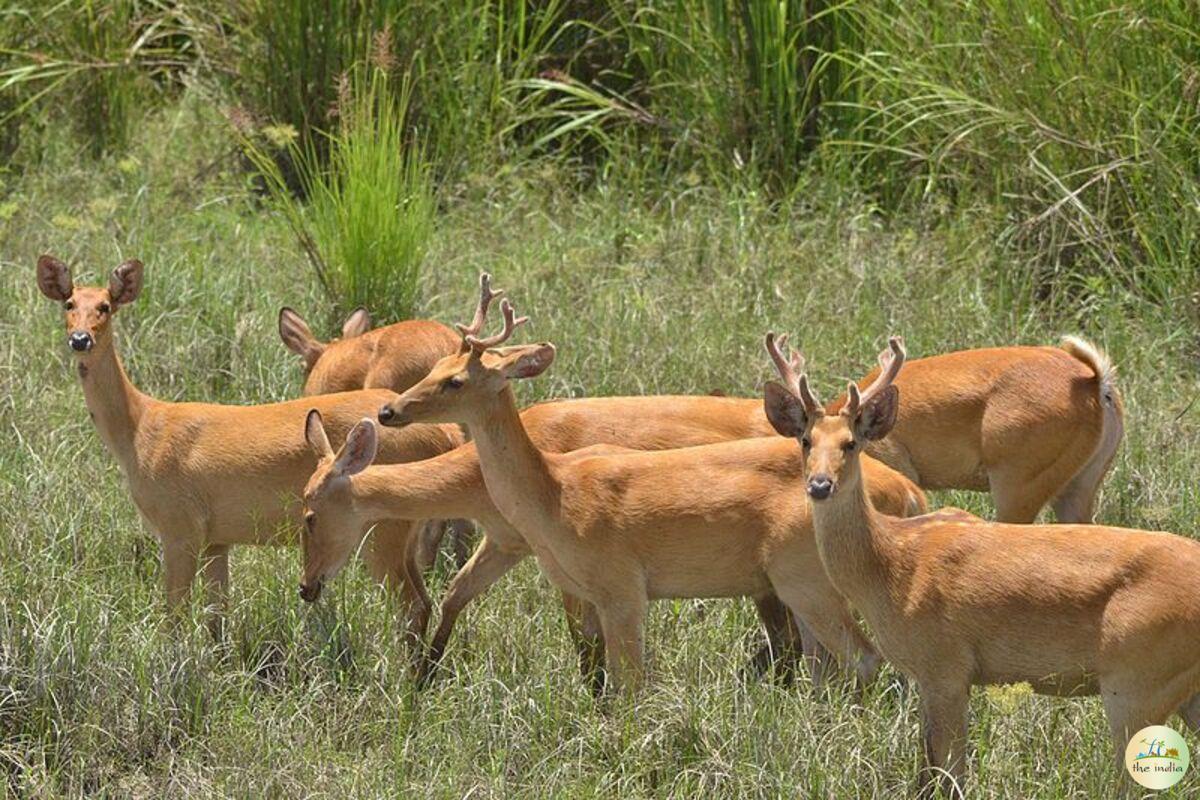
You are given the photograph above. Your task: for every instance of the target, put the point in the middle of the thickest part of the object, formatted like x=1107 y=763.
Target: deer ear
x=314 y=434
x=527 y=360
x=54 y=278
x=359 y=450
x=876 y=418
x=784 y=411
x=358 y=323
x=298 y=338
x=125 y=283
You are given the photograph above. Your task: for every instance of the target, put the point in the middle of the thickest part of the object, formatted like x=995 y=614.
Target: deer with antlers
x=344 y=497
x=392 y=357
x=618 y=530
x=205 y=477
x=955 y=601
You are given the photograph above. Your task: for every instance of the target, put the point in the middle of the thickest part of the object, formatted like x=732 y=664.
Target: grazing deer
x=205 y=476
x=618 y=530
x=955 y=601
x=344 y=498
x=392 y=357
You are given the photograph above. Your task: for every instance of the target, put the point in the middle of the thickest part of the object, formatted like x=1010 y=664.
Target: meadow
x=948 y=198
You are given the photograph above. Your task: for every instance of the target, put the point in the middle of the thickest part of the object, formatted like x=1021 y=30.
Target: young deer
x=393 y=357
x=344 y=498
x=618 y=530
x=955 y=601
x=205 y=476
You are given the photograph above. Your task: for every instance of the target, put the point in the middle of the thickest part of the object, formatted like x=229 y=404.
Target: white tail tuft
x=1091 y=355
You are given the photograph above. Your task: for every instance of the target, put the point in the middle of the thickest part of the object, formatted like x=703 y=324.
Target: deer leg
x=429 y=538
x=216 y=586
x=826 y=614
x=489 y=563
x=623 y=623
x=462 y=531
x=1190 y=711
x=944 y=735
x=785 y=641
x=179 y=570
x=1018 y=498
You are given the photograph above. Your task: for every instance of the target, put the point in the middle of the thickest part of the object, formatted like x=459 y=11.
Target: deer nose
x=309 y=592
x=80 y=342
x=386 y=414
x=820 y=487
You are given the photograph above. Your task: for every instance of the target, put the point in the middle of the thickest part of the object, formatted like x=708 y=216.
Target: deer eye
x=104 y=308
x=806 y=443
x=453 y=383
x=848 y=446
x=69 y=305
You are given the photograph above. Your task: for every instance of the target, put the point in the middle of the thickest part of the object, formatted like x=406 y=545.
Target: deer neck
x=854 y=544
x=516 y=473
x=115 y=404
x=443 y=487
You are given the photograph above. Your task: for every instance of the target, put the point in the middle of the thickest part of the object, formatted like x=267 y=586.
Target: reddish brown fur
x=392 y=357
x=956 y=601
x=619 y=530
x=205 y=476
x=453 y=484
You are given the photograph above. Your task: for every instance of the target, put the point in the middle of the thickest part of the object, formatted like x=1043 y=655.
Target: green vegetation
x=964 y=174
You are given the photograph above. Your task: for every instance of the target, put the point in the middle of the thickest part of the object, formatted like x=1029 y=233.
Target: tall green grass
x=1078 y=119
x=95 y=64
x=368 y=207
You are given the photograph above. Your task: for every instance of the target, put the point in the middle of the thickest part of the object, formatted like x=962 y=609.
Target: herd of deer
x=814 y=510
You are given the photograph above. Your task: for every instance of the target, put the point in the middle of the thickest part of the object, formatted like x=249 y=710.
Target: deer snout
x=820 y=487
x=309 y=592
x=391 y=417
x=80 y=341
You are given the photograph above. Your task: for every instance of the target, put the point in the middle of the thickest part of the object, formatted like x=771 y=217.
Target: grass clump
x=369 y=212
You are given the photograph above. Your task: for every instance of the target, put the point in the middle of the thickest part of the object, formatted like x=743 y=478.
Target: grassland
x=656 y=184
x=641 y=297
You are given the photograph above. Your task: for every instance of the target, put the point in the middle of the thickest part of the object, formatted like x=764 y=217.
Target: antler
x=486 y=296
x=890 y=362
x=791 y=369
x=511 y=321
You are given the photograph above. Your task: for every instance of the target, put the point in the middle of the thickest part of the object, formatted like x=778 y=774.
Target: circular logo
x=1157 y=757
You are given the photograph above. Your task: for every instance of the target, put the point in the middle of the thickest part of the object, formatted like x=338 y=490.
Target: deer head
x=331 y=533
x=299 y=338
x=88 y=310
x=831 y=442
x=459 y=386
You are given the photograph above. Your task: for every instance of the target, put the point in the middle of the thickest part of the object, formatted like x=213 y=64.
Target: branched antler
x=890 y=362
x=486 y=296
x=791 y=369
x=511 y=321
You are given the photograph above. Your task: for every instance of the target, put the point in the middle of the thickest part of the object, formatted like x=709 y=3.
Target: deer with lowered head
x=205 y=477
x=955 y=601
x=344 y=498
x=618 y=530
x=347 y=495
x=392 y=357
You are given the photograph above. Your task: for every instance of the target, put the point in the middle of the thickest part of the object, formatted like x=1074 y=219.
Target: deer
x=956 y=601
x=346 y=495
x=205 y=477
x=392 y=357
x=619 y=530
